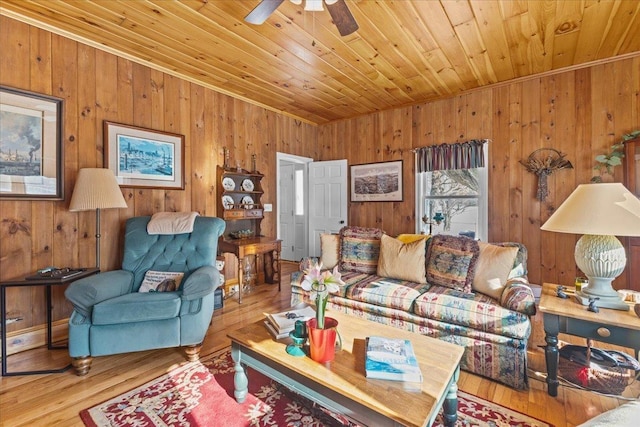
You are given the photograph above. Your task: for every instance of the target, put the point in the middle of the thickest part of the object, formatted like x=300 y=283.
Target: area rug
x=201 y=394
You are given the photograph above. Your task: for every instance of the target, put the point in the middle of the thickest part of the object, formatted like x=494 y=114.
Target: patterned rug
x=201 y=394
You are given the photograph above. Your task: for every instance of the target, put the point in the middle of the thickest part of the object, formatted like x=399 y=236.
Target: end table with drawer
x=567 y=316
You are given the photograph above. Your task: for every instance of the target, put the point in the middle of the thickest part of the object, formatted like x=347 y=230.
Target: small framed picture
x=31 y=155
x=377 y=182
x=144 y=158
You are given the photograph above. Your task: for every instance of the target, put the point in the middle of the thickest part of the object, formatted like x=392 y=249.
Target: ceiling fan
x=338 y=10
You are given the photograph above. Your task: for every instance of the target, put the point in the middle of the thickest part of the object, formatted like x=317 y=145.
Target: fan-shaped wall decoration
x=543 y=162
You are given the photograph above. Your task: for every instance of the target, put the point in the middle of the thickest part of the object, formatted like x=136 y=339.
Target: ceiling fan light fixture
x=313 y=5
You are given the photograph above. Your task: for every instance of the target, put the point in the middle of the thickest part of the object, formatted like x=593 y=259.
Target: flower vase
x=322 y=342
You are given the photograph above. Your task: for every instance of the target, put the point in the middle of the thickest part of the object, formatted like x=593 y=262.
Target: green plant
x=605 y=163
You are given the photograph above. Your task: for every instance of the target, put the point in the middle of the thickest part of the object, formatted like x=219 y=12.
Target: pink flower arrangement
x=320 y=284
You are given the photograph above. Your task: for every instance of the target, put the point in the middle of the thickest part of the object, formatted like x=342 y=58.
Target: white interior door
x=286 y=210
x=327 y=200
x=292 y=205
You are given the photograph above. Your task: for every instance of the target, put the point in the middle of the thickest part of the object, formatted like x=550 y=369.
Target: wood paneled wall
x=99 y=86
x=580 y=112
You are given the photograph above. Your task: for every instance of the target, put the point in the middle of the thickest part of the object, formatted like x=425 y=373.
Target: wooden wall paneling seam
x=564 y=181
x=515 y=141
x=498 y=167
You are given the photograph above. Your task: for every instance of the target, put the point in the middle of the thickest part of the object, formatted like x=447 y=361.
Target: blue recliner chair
x=110 y=316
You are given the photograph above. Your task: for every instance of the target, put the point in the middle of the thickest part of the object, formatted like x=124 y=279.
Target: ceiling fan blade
x=342 y=17
x=262 y=11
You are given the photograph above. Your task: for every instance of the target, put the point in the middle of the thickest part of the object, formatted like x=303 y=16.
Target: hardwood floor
x=56 y=399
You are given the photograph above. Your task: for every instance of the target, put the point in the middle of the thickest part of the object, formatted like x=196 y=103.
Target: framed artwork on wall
x=31 y=158
x=144 y=158
x=377 y=182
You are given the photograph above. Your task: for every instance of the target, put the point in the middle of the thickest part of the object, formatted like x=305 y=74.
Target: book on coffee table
x=280 y=324
x=391 y=359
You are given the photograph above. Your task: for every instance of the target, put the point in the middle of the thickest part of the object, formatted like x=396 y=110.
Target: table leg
x=240 y=380
x=450 y=406
x=240 y=278
x=551 y=329
x=3 y=323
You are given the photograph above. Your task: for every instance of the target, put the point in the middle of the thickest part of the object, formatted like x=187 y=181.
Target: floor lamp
x=96 y=189
x=599 y=212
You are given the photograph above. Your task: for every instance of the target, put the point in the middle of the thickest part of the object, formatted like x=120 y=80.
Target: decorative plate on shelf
x=247 y=185
x=247 y=202
x=228 y=184
x=227 y=202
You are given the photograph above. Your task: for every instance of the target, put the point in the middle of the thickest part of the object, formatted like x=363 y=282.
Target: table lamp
x=96 y=189
x=599 y=212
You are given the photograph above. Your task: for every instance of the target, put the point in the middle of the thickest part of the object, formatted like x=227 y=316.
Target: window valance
x=462 y=155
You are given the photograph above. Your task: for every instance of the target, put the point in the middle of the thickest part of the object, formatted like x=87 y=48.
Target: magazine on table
x=391 y=359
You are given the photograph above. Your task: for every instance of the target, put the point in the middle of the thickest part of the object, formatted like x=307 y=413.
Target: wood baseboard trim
x=36 y=336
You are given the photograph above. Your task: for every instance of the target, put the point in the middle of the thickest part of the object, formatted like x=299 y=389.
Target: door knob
x=341 y=222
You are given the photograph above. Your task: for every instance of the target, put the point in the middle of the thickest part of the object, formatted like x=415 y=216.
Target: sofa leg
x=81 y=365
x=193 y=352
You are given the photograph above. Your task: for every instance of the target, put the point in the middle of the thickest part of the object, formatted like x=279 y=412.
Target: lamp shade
x=96 y=188
x=597 y=209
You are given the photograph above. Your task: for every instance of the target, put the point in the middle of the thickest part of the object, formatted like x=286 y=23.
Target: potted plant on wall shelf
x=605 y=163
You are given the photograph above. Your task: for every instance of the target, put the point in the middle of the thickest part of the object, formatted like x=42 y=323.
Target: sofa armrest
x=200 y=283
x=518 y=296
x=83 y=294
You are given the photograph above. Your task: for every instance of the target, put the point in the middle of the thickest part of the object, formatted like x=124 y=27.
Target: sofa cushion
x=383 y=291
x=137 y=307
x=451 y=261
x=330 y=250
x=493 y=268
x=161 y=281
x=404 y=261
x=476 y=311
x=359 y=249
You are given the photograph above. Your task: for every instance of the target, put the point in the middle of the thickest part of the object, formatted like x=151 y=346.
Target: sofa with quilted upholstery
x=452 y=288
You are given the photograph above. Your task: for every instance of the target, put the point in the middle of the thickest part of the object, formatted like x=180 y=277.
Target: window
x=453 y=201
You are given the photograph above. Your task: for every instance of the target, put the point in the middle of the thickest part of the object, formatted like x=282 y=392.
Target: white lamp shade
x=96 y=188
x=597 y=209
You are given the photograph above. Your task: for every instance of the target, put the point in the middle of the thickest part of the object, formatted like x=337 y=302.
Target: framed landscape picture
x=377 y=182
x=143 y=157
x=30 y=146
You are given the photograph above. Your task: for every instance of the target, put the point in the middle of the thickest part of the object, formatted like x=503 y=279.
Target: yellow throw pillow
x=404 y=261
x=329 y=244
x=493 y=268
x=410 y=238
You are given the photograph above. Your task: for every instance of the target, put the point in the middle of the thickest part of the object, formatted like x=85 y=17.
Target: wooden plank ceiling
x=405 y=52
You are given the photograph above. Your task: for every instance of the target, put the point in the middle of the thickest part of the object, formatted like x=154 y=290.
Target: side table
x=268 y=246
x=569 y=317
x=47 y=282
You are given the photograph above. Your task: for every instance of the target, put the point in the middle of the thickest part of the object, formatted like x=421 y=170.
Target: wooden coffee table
x=341 y=385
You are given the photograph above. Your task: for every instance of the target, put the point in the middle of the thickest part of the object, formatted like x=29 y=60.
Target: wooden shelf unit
x=241 y=216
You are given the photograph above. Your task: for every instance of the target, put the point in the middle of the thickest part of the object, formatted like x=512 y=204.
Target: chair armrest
x=85 y=293
x=518 y=296
x=200 y=283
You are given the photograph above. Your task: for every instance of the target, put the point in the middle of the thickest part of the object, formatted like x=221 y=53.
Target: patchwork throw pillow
x=161 y=281
x=359 y=249
x=493 y=268
x=330 y=249
x=451 y=262
x=404 y=261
